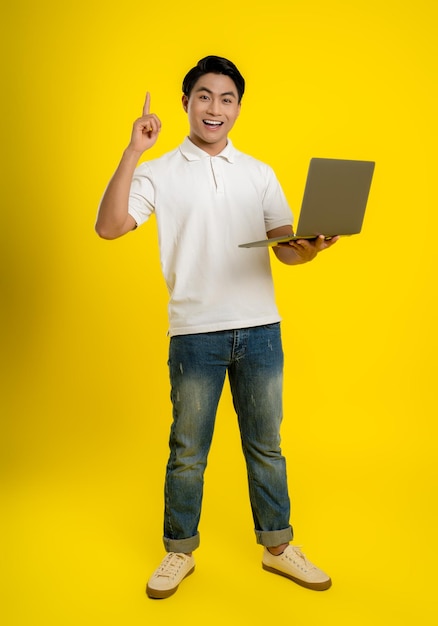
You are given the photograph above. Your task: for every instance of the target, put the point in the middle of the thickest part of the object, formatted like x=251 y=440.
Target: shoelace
x=300 y=555
x=171 y=565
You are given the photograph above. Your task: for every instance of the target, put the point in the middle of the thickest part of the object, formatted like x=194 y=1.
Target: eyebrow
x=226 y=93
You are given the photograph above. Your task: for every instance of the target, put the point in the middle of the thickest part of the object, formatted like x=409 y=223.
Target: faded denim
x=198 y=364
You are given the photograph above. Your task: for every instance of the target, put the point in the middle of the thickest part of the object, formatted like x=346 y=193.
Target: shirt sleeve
x=142 y=195
x=275 y=206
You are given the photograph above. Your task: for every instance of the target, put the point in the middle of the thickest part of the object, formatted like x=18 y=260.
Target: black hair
x=213 y=65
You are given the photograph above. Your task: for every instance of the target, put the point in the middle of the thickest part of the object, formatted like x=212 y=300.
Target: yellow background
x=86 y=412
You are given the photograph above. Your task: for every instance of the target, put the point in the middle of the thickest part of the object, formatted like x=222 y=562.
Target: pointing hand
x=146 y=129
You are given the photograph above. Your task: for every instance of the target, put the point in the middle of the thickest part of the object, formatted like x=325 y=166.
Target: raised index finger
x=147 y=104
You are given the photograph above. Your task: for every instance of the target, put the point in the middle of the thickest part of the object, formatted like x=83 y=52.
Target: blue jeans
x=198 y=364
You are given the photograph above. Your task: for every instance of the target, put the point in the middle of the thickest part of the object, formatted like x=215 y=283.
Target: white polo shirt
x=205 y=207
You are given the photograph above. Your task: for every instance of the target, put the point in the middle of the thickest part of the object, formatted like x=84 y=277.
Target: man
x=208 y=197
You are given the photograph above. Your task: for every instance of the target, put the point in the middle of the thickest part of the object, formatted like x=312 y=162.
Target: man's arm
x=113 y=219
x=300 y=251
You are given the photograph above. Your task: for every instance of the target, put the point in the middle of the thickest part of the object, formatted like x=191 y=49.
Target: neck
x=213 y=149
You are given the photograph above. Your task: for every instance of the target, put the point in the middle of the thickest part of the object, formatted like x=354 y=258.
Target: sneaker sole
x=161 y=594
x=326 y=584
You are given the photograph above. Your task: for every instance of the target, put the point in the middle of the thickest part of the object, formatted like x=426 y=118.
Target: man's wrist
x=132 y=154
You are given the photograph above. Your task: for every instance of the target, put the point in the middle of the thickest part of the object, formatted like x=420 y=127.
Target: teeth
x=212 y=123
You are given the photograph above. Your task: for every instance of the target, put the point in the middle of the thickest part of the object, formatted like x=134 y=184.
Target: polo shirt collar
x=193 y=153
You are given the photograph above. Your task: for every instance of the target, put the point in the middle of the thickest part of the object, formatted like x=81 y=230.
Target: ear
x=185 y=102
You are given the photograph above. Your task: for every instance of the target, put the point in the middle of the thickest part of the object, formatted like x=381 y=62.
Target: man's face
x=212 y=108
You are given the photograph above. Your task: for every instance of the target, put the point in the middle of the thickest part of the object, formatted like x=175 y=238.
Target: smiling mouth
x=212 y=123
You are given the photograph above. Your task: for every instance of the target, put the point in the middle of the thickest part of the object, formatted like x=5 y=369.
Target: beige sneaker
x=293 y=564
x=166 y=578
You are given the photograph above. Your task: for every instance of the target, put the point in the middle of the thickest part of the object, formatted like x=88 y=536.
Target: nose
x=214 y=106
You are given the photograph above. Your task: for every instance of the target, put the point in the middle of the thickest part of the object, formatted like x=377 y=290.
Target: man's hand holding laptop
x=299 y=251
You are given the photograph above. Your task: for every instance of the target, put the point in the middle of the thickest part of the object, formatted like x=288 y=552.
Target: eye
x=203 y=97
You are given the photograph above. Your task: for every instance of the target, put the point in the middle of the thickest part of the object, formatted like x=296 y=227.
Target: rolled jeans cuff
x=181 y=545
x=270 y=538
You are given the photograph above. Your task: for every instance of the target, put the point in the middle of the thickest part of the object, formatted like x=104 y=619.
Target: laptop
x=334 y=201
